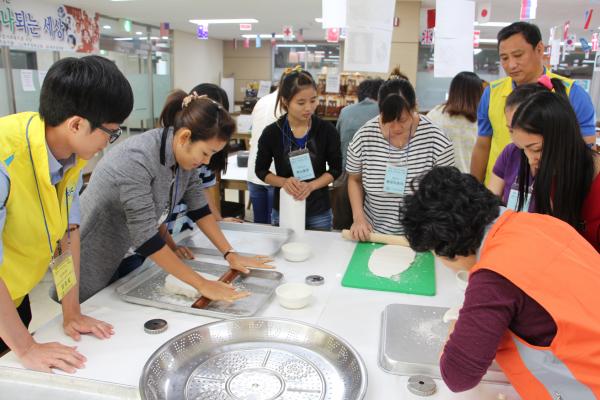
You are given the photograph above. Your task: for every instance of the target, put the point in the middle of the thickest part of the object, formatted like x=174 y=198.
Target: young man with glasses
x=82 y=103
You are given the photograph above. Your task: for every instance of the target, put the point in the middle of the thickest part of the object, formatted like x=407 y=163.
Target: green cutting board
x=419 y=278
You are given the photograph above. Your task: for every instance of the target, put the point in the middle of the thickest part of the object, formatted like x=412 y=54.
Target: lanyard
x=410 y=136
x=37 y=186
x=286 y=133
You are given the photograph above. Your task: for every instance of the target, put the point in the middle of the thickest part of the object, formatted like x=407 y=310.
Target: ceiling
x=274 y=14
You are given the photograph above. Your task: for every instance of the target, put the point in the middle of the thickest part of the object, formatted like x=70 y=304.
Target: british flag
x=427 y=37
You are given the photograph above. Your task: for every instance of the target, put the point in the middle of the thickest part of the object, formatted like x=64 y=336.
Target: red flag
x=273 y=40
x=246 y=43
x=300 y=36
x=588 y=18
x=566 y=30
x=431 y=18
x=164 y=29
x=333 y=35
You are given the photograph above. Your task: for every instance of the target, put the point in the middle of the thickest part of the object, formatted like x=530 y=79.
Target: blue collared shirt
x=579 y=98
x=57 y=172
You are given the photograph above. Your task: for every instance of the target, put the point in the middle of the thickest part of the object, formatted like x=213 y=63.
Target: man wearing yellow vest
x=82 y=103
x=521 y=55
x=532 y=298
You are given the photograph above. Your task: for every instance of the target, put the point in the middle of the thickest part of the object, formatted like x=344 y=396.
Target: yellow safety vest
x=25 y=240
x=499 y=91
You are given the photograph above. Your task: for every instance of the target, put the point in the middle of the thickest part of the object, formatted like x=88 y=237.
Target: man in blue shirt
x=521 y=55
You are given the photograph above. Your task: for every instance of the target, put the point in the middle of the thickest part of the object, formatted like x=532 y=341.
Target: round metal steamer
x=255 y=359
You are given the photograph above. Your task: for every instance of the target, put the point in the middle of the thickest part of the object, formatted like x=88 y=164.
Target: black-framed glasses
x=113 y=134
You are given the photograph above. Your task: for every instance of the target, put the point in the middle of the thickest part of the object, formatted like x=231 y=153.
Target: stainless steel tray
x=146 y=287
x=255 y=359
x=412 y=339
x=247 y=239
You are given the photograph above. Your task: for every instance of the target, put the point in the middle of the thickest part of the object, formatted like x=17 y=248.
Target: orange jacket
x=558 y=268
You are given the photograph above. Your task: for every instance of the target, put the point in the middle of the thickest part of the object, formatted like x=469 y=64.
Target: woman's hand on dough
x=361 y=230
x=220 y=291
x=240 y=263
x=184 y=253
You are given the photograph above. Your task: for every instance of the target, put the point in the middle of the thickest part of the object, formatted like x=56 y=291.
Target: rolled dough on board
x=176 y=286
x=390 y=260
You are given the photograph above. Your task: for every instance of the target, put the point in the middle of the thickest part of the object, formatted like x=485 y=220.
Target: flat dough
x=390 y=260
x=176 y=286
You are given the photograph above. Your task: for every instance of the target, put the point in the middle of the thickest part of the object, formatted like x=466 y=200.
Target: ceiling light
x=492 y=24
x=139 y=33
x=265 y=36
x=319 y=20
x=165 y=38
x=107 y=27
x=297 y=45
x=224 y=21
x=493 y=41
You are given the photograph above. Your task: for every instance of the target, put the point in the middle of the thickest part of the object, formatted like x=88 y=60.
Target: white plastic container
x=292 y=214
x=296 y=251
x=294 y=295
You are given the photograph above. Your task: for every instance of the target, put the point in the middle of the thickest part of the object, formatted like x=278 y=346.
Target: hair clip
x=297 y=68
x=546 y=82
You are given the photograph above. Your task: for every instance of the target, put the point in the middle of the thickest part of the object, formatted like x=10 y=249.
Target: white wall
x=196 y=61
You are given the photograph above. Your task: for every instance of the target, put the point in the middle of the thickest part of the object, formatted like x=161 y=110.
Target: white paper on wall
x=368 y=50
x=27 y=80
x=334 y=13
x=453 y=46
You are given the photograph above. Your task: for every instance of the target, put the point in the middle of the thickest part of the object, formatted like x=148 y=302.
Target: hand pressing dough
x=176 y=286
x=390 y=260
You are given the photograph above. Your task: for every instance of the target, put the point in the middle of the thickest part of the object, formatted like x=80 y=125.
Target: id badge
x=302 y=165
x=513 y=200
x=63 y=273
x=395 y=179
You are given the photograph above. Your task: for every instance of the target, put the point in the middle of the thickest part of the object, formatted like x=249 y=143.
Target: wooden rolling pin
x=379 y=238
x=227 y=277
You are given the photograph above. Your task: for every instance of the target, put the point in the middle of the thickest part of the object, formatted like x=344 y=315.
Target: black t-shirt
x=323 y=143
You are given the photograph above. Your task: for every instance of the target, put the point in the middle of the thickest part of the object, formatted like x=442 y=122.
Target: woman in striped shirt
x=386 y=154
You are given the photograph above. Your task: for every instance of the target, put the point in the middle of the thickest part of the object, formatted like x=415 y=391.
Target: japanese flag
x=483 y=12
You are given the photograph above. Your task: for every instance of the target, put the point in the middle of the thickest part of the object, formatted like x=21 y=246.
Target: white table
x=354 y=314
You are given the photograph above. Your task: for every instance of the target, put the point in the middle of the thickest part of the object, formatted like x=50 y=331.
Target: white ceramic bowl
x=294 y=295
x=295 y=251
x=462 y=280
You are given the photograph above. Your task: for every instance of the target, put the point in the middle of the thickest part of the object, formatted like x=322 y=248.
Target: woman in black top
x=302 y=146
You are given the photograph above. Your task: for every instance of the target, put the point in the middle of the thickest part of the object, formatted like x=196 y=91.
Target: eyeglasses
x=113 y=134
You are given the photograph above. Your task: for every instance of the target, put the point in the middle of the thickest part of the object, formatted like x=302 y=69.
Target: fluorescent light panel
x=224 y=21
x=492 y=24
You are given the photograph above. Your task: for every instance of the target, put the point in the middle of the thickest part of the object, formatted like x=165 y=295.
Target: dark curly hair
x=448 y=213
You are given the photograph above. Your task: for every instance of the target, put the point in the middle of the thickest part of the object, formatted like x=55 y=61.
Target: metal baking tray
x=255 y=359
x=146 y=287
x=247 y=239
x=412 y=339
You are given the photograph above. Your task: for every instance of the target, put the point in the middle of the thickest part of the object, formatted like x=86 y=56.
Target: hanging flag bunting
x=245 y=27
x=203 y=31
x=164 y=28
x=431 y=18
x=570 y=42
x=476 y=36
x=300 y=36
x=246 y=43
x=585 y=46
x=258 y=42
x=483 y=12
x=595 y=41
x=587 y=18
x=427 y=37
x=288 y=32
x=273 y=40
x=528 y=9
x=566 y=30
x=333 y=35
x=396 y=22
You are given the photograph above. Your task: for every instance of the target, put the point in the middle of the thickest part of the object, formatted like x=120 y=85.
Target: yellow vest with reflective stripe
x=24 y=238
x=499 y=91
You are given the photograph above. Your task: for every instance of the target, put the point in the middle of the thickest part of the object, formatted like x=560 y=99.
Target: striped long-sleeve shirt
x=370 y=153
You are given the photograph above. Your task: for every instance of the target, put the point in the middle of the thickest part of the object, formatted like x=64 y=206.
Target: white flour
x=176 y=286
x=390 y=260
